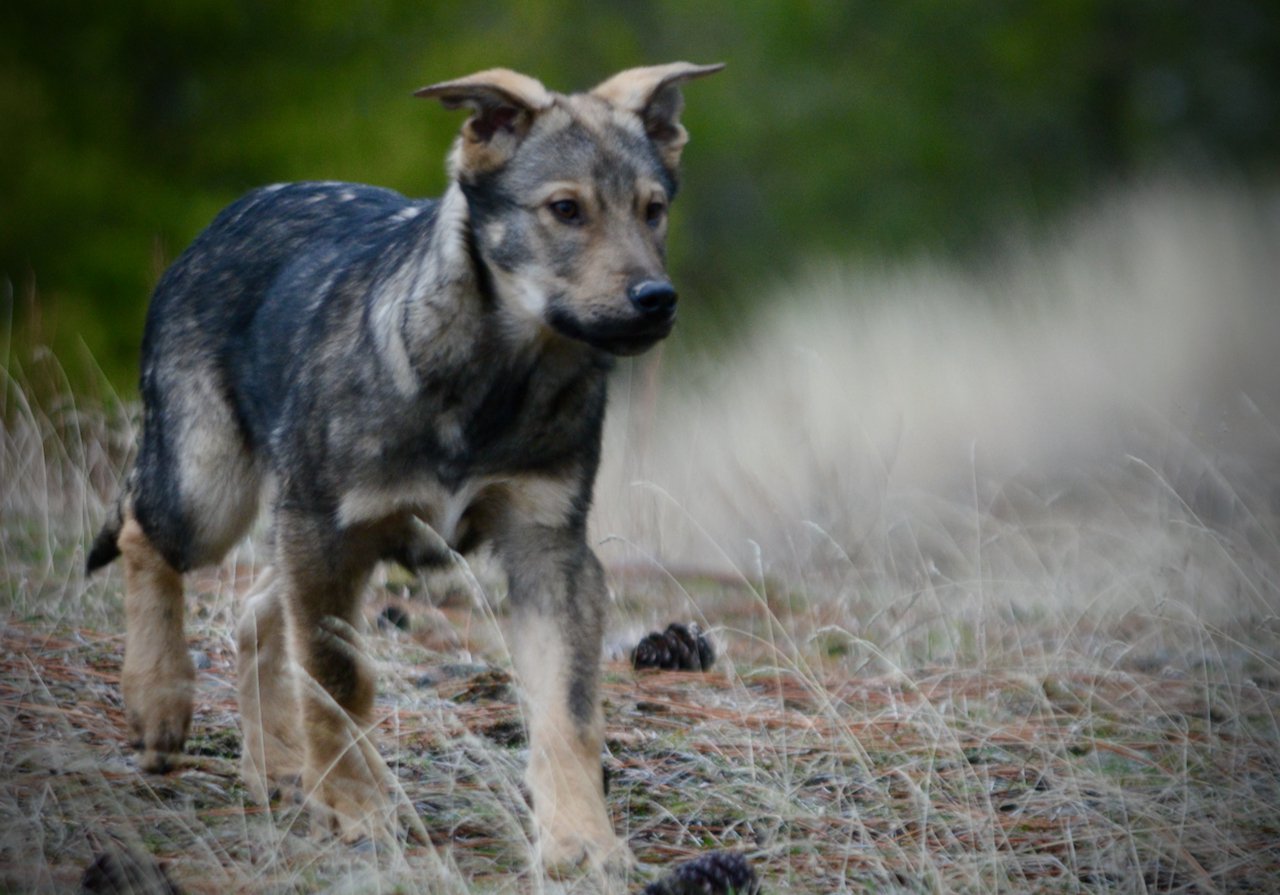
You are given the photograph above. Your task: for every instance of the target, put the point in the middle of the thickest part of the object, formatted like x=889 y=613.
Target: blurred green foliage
x=868 y=128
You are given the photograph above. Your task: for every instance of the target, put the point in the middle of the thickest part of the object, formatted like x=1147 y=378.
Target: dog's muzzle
x=651 y=318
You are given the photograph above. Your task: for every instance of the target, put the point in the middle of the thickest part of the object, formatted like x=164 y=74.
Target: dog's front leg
x=558 y=597
x=321 y=578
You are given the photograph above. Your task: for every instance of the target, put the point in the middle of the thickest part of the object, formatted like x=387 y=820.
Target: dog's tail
x=105 y=546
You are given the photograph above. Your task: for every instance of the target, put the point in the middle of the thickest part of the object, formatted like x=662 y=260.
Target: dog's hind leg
x=272 y=749
x=158 y=677
x=192 y=494
x=322 y=574
x=558 y=596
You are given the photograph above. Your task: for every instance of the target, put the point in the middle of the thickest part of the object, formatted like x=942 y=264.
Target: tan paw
x=354 y=798
x=353 y=811
x=573 y=853
x=158 y=721
x=267 y=782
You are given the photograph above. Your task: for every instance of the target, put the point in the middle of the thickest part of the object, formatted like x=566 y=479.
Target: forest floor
x=1078 y=779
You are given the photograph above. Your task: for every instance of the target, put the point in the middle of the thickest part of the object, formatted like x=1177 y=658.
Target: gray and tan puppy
x=400 y=375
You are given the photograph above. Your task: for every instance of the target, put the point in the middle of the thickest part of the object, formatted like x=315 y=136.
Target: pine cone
x=717 y=873
x=678 y=648
x=121 y=871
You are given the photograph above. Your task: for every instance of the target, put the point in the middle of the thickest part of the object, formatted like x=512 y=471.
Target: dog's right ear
x=504 y=104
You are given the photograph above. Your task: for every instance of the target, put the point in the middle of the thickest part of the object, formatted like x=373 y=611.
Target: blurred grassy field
x=993 y=562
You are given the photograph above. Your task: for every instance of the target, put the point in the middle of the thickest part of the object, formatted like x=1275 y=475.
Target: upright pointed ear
x=653 y=93
x=504 y=104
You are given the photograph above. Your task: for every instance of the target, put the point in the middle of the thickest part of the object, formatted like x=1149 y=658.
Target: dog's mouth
x=623 y=337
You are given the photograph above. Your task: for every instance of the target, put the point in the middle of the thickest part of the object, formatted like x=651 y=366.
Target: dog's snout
x=653 y=298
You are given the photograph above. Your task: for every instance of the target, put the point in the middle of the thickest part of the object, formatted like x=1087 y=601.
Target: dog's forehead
x=584 y=138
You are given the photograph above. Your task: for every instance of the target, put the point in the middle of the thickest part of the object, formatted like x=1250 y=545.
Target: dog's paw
x=270 y=766
x=158 y=724
x=350 y=811
x=353 y=797
x=267 y=789
x=572 y=853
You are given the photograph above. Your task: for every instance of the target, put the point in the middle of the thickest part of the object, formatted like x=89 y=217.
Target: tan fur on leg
x=267 y=690
x=564 y=773
x=345 y=779
x=158 y=677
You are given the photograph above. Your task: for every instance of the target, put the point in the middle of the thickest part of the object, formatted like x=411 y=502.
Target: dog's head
x=568 y=197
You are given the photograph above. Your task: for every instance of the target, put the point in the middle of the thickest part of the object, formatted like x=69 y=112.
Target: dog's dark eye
x=567 y=211
x=654 y=211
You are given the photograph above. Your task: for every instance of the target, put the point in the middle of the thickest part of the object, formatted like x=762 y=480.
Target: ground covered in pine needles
x=1089 y=780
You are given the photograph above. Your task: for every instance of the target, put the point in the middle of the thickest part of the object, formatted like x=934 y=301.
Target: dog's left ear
x=503 y=104
x=653 y=93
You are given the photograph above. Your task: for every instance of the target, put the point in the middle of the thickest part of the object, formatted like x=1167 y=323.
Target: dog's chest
x=520 y=444
x=531 y=498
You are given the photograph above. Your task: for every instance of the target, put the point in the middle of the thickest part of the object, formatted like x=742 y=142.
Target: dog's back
x=234 y=326
x=247 y=300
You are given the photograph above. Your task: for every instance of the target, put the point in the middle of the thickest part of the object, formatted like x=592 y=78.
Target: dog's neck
x=441 y=308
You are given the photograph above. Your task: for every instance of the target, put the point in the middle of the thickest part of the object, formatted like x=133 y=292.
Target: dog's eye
x=567 y=211
x=654 y=211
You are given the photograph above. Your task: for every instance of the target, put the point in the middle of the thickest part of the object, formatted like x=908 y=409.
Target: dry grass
x=994 y=563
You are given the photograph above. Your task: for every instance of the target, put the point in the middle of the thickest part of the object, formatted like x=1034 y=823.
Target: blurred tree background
x=851 y=128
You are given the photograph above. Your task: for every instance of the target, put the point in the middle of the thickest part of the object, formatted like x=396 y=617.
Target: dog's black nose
x=653 y=298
